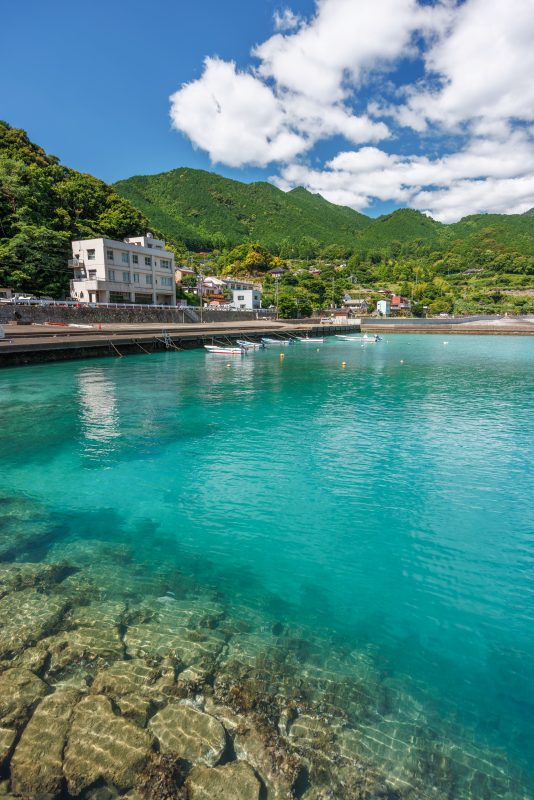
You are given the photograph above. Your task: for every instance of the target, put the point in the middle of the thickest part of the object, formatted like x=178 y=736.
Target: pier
x=33 y=344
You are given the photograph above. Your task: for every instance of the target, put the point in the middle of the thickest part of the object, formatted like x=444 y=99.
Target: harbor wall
x=28 y=314
x=431 y=322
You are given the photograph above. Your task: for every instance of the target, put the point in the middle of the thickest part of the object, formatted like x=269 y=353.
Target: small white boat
x=280 y=342
x=365 y=339
x=371 y=339
x=250 y=345
x=224 y=351
x=312 y=340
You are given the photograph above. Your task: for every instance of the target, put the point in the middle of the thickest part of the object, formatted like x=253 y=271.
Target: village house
x=399 y=303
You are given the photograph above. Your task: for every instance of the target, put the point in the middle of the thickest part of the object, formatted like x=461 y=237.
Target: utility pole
x=200 y=292
x=276 y=279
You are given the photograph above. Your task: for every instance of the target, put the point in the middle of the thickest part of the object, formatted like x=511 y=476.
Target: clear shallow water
x=387 y=506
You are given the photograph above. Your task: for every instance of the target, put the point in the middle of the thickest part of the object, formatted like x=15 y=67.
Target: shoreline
x=38 y=344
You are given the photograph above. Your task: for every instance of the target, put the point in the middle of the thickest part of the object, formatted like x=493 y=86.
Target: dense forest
x=43 y=205
x=207 y=211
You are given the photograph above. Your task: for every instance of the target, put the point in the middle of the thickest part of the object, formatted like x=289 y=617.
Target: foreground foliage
x=43 y=205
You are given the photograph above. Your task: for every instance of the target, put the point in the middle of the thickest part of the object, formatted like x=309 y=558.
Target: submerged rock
x=134 y=676
x=23 y=526
x=189 y=733
x=95 y=641
x=234 y=781
x=36 y=766
x=7 y=739
x=17 y=576
x=273 y=762
x=20 y=691
x=25 y=617
x=103 y=746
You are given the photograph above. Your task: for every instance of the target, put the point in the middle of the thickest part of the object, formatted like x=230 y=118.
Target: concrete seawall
x=29 y=314
x=40 y=344
x=479 y=324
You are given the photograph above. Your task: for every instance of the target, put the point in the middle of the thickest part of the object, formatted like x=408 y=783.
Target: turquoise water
x=385 y=507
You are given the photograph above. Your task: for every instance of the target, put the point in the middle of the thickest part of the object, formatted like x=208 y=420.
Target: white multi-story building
x=136 y=270
x=246 y=299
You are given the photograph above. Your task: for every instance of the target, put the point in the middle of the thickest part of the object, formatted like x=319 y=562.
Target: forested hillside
x=207 y=211
x=484 y=261
x=43 y=205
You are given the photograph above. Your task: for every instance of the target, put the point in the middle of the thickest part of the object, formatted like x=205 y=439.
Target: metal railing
x=36 y=301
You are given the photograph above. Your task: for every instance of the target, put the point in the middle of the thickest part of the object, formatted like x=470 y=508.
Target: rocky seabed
x=121 y=679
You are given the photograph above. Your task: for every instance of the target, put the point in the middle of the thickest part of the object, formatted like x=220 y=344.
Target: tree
x=441 y=306
x=308 y=247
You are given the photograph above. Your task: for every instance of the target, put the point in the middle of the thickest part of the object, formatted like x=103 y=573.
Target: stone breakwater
x=120 y=680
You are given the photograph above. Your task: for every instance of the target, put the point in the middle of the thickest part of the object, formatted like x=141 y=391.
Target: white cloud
x=307 y=84
x=343 y=40
x=303 y=85
x=235 y=117
x=484 y=61
x=286 y=20
x=491 y=175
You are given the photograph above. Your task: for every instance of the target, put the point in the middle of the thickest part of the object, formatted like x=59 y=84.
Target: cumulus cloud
x=488 y=175
x=286 y=20
x=308 y=83
x=328 y=57
x=307 y=75
x=235 y=117
x=483 y=62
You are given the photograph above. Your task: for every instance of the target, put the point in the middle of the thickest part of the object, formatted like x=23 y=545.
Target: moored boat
x=224 y=351
x=250 y=345
x=282 y=342
x=365 y=339
x=311 y=339
x=371 y=339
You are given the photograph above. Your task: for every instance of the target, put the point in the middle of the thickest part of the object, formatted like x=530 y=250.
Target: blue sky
x=375 y=104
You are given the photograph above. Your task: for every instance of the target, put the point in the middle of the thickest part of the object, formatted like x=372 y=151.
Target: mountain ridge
x=206 y=210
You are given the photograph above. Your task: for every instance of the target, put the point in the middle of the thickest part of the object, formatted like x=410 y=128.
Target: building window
x=166 y=281
x=118 y=297
x=90 y=255
x=136 y=277
x=148 y=261
x=240 y=296
x=109 y=255
x=135 y=258
x=149 y=245
x=111 y=274
x=92 y=273
x=125 y=258
x=126 y=277
x=148 y=279
x=165 y=263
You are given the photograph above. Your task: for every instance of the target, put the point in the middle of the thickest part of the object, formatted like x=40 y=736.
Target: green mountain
x=43 y=205
x=404 y=225
x=204 y=209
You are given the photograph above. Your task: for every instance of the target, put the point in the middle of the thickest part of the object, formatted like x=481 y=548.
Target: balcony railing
x=75 y=262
